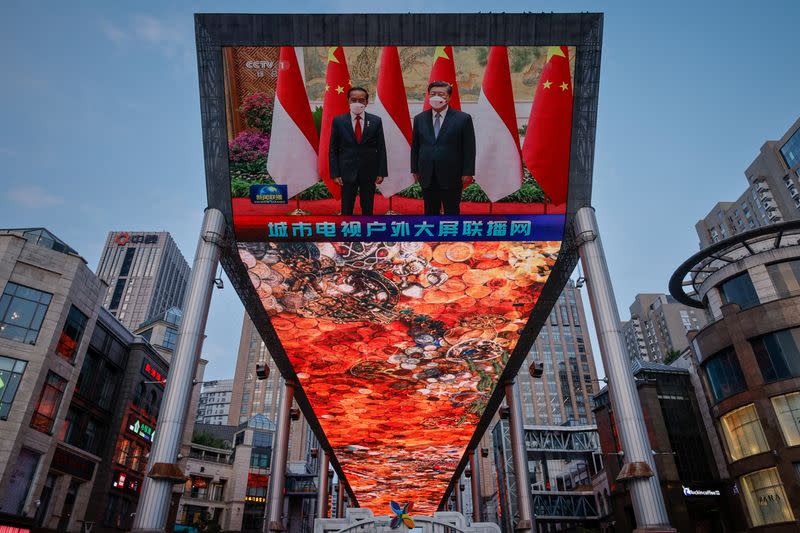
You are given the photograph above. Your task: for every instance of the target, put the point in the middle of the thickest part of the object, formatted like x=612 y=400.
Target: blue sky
x=100 y=122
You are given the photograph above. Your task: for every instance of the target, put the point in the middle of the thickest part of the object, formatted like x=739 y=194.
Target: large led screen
x=399 y=209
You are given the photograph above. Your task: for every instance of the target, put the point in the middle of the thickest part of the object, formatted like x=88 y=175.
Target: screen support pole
x=520 y=456
x=280 y=452
x=163 y=469
x=459 y=498
x=475 y=487
x=322 y=490
x=340 y=500
x=639 y=471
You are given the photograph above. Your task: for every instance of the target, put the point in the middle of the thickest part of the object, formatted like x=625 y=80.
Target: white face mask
x=437 y=102
x=357 y=108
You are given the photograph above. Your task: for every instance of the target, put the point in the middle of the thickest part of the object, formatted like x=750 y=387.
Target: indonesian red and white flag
x=391 y=104
x=498 y=165
x=292 y=156
x=547 y=139
x=444 y=69
x=337 y=83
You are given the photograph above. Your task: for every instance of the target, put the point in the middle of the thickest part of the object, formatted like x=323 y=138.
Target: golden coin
x=465 y=303
x=425 y=252
x=440 y=254
x=282 y=269
x=435 y=297
x=264 y=291
x=454 y=285
x=260 y=269
x=458 y=252
x=475 y=277
x=478 y=291
x=305 y=323
x=456 y=269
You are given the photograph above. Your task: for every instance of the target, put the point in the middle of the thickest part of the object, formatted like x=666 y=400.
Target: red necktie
x=358 y=128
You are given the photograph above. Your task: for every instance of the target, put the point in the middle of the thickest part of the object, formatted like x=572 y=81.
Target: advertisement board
x=398 y=191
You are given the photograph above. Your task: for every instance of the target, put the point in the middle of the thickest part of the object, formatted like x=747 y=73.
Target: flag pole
x=298 y=211
x=391 y=211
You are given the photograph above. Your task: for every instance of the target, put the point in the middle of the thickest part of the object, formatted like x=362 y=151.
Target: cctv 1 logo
x=269 y=193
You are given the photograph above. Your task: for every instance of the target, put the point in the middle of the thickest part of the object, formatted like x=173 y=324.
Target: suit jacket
x=349 y=159
x=447 y=157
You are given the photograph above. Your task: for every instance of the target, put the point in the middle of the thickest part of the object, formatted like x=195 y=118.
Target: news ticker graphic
x=415 y=228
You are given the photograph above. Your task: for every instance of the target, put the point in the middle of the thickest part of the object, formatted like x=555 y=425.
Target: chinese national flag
x=444 y=69
x=337 y=82
x=547 y=139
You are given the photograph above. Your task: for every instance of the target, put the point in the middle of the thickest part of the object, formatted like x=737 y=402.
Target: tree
x=206 y=439
x=671 y=356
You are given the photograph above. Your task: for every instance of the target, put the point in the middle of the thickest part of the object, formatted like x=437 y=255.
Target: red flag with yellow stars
x=337 y=82
x=444 y=69
x=547 y=139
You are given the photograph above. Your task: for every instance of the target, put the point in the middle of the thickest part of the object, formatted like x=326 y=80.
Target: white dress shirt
x=363 y=121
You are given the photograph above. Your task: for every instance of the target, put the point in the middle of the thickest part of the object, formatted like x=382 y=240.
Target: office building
x=252 y=395
x=697 y=497
x=772 y=195
x=748 y=359
x=658 y=326
x=215 y=402
x=564 y=392
x=146 y=275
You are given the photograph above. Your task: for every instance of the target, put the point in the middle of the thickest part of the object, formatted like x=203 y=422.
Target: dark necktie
x=358 y=128
x=437 y=125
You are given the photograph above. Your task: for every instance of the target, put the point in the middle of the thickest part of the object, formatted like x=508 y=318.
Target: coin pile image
x=398 y=347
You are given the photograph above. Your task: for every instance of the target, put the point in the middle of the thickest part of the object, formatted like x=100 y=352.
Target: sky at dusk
x=100 y=123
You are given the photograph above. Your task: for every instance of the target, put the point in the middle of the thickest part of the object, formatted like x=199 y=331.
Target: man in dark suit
x=442 y=152
x=357 y=153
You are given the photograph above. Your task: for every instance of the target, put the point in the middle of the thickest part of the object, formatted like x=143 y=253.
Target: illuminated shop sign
x=255 y=499
x=124 y=482
x=152 y=372
x=687 y=491
x=137 y=427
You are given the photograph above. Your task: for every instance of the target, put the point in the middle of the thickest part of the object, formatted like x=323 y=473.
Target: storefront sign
x=123 y=482
x=137 y=427
x=152 y=372
x=687 y=491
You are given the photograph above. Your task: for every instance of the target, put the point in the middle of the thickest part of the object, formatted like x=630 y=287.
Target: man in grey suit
x=442 y=152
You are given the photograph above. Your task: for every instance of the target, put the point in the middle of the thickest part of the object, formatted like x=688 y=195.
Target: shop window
x=198 y=487
x=743 y=433
x=787 y=409
x=765 y=498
